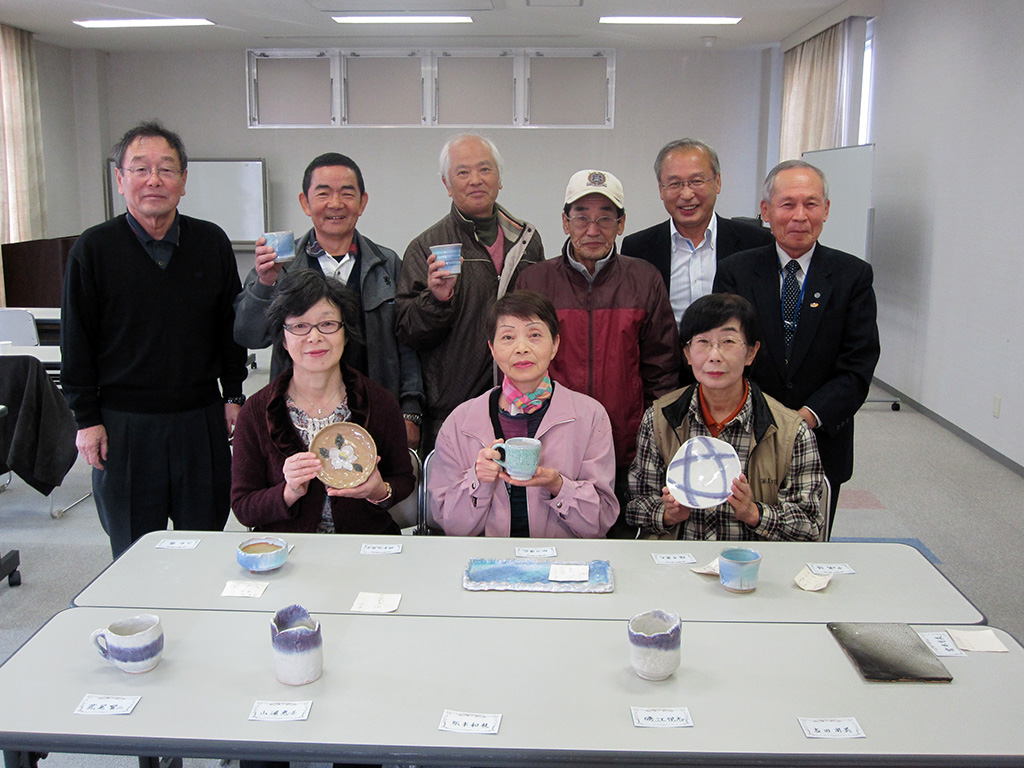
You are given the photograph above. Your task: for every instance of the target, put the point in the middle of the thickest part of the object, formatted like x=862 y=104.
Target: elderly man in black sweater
x=150 y=367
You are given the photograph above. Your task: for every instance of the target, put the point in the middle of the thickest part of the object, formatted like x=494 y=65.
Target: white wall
x=660 y=96
x=949 y=185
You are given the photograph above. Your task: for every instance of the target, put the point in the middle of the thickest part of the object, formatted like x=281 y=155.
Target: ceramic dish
x=700 y=475
x=262 y=553
x=347 y=454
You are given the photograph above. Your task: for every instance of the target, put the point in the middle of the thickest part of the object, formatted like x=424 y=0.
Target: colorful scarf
x=519 y=402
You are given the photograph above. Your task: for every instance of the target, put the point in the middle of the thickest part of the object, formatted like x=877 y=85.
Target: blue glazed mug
x=519 y=457
x=283 y=243
x=132 y=645
x=449 y=256
x=738 y=567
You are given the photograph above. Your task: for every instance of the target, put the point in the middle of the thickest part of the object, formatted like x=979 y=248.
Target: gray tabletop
x=563 y=689
x=892 y=582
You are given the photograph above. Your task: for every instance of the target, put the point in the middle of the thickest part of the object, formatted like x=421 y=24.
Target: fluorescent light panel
x=403 y=19
x=131 y=23
x=670 y=19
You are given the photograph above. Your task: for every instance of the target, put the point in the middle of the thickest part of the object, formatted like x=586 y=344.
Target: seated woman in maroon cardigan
x=274 y=475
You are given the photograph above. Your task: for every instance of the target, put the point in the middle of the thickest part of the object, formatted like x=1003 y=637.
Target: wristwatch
x=236 y=400
x=415 y=418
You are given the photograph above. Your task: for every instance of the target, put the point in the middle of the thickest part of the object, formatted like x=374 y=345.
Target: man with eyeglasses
x=334 y=197
x=619 y=342
x=818 y=314
x=687 y=248
x=443 y=316
x=150 y=367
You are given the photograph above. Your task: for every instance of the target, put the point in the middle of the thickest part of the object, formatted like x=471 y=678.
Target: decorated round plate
x=347 y=454
x=700 y=475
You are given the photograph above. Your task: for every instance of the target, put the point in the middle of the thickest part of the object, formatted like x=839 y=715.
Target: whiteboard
x=851 y=215
x=230 y=193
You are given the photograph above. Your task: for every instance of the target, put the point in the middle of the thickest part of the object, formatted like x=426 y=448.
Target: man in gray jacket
x=334 y=197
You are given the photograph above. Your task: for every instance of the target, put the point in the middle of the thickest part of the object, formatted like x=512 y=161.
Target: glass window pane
x=568 y=91
x=475 y=90
x=383 y=91
x=294 y=91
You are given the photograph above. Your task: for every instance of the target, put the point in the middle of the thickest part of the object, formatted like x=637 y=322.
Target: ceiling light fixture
x=403 y=19
x=131 y=23
x=670 y=19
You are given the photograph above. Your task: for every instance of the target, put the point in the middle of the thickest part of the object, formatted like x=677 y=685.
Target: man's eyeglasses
x=675 y=187
x=141 y=172
x=582 y=223
x=324 y=326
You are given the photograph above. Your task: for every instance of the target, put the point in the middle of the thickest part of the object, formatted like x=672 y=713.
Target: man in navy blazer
x=687 y=248
x=825 y=372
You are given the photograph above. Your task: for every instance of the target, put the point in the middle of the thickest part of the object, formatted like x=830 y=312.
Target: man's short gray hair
x=682 y=145
x=768 y=189
x=447 y=148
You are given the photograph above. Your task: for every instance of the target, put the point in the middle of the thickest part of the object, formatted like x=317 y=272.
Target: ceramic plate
x=347 y=454
x=700 y=475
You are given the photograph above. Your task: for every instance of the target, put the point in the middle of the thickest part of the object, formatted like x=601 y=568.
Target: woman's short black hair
x=524 y=305
x=715 y=310
x=297 y=292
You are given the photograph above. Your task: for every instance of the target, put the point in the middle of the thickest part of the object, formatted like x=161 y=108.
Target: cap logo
x=597 y=179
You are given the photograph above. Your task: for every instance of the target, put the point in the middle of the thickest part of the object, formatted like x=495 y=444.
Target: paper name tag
x=376 y=602
x=812 y=582
x=977 y=640
x=98 y=704
x=177 y=544
x=564 y=572
x=245 y=588
x=535 y=552
x=831 y=728
x=711 y=569
x=824 y=569
x=941 y=643
x=469 y=722
x=669 y=559
x=380 y=549
x=280 y=710
x=661 y=717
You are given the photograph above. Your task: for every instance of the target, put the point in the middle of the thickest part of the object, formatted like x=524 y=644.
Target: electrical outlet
x=997 y=405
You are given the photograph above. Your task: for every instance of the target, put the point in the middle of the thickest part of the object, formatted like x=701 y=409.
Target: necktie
x=790 y=302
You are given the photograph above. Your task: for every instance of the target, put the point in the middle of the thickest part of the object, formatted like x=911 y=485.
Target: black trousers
x=160 y=467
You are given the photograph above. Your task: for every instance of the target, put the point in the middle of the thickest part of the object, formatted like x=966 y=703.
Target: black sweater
x=138 y=338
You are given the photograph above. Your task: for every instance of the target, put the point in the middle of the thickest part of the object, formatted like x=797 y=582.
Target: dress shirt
x=693 y=268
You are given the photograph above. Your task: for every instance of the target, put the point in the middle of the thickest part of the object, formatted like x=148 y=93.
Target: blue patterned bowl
x=262 y=553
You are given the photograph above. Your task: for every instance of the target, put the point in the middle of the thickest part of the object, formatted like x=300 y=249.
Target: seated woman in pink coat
x=570 y=494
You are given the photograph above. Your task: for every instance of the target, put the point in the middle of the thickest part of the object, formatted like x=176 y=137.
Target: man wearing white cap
x=619 y=342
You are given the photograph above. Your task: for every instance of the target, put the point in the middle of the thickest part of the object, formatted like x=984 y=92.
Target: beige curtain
x=22 y=202
x=813 y=100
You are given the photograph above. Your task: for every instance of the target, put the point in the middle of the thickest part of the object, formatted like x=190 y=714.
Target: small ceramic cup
x=283 y=243
x=654 y=644
x=450 y=255
x=132 y=645
x=737 y=568
x=519 y=457
x=298 y=646
x=262 y=553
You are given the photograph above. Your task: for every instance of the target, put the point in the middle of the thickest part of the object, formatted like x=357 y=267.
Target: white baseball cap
x=591 y=182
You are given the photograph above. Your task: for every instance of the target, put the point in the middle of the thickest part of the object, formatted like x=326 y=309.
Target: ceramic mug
x=450 y=255
x=298 y=646
x=519 y=457
x=737 y=568
x=654 y=644
x=132 y=645
x=283 y=243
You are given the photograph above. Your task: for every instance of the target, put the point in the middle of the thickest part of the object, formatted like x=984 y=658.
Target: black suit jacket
x=835 y=348
x=654 y=244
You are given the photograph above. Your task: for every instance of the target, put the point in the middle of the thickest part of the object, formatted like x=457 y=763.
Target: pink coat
x=576 y=439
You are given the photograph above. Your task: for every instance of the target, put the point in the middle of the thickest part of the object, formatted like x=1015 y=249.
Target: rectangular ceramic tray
x=523 y=575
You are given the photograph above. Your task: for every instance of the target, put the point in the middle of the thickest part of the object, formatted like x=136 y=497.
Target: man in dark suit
x=817 y=311
x=687 y=248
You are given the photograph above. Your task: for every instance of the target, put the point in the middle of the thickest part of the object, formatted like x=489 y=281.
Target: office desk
x=563 y=688
x=893 y=582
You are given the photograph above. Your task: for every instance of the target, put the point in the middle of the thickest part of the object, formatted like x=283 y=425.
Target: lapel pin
x=814 y=305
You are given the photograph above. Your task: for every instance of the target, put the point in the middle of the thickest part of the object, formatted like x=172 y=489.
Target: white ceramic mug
x=132 y=645
x=654 y=644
